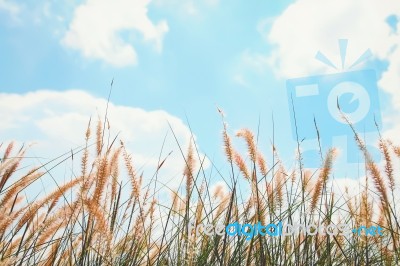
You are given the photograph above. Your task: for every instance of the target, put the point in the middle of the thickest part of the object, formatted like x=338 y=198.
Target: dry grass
x=94 y=220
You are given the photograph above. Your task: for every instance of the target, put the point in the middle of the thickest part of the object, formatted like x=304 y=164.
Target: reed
x=102 y=217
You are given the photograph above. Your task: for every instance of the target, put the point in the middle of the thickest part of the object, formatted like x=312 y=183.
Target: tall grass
x=94 y=220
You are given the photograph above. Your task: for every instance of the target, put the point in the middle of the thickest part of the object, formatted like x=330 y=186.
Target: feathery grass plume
x=101 y=180
x=307 y=181
x=9 y=168
x=10 y=206
x=134 y=197
x=371 y=166
x=36 y=221
x=59 y=219
x=86 y=186
x=12 y=248
x=200 y=204
x=56 y=195
x=68 y=257
x=235 y=212
x=114 y=162
x=396 y=149
x=152 y=209
x=88 y=132
x=9 y=261
x=114 y=168
x=138 y=187
x=382 y=221
x=34 y=207
x=365 y=209
x=349 y=203
x=99 y=137
x=280 y=179
x=220 y=197
x=8 y=220
x=248 y=206
x=175 y=204
x=251 y=145
x=388 y=163
x=218 y=191
x=262 y=164
x=146 y=194
x=8 y=151
x=223 y=205
x=199 y=212
x=54 y=248
x=131 y=173
x=270 y=196
x=99 y=215
x=154 y=252
x=242 y=166
x=340 y=239
x=4 y=165
x=50 y=231
x=388 y=255
x=139 y=227
x=322 y=178
x=21 y=184
x=229 y=152
x=254 y=183
x=31 y=211
x=278 y=185
x=374 y=172
x=261 y=211
x=85 y=156
x=8 y=162
x=188 y=170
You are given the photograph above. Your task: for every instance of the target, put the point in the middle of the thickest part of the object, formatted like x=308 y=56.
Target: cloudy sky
x=176 y=61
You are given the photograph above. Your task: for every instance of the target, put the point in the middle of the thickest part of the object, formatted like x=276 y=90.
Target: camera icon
x=313 y=102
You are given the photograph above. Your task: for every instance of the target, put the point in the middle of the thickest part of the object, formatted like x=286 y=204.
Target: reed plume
x=251 y=145
x=189 y=170
x=229 y=152
x=262 y=164
x=322 y=179
x=388 y=163
x=99 y=137
x=242 y=166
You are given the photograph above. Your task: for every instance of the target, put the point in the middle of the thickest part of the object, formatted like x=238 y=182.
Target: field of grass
x=95 y=220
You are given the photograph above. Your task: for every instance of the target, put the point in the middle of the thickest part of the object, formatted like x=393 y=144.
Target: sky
x=178 y=60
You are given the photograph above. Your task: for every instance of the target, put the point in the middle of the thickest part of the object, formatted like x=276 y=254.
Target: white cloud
x=10 y=7
x=187 y=7
x=390 y=80
x=97 y=24
x=57 y=121
x=307 y=26
x=211 y=2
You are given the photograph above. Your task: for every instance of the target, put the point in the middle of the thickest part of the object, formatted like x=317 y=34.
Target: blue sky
x=187 y=57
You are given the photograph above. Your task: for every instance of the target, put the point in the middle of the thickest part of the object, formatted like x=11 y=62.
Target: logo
x=314 y=102
x=248 y=231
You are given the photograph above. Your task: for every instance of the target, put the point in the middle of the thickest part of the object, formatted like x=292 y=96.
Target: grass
x=95 y=220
